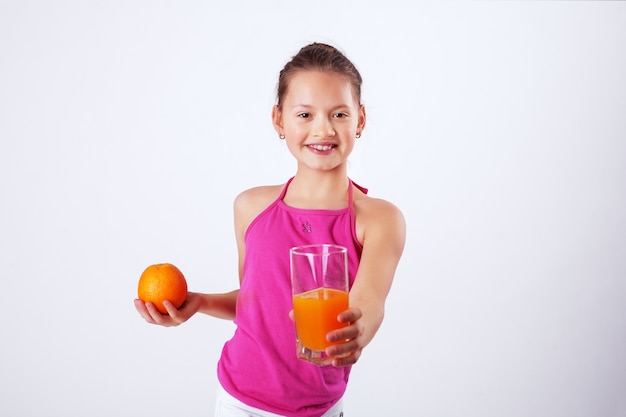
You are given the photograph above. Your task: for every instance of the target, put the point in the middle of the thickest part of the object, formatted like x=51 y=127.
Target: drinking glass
x=319 y=278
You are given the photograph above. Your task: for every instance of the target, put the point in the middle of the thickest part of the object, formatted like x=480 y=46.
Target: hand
x=353 y=344
x=175 y=316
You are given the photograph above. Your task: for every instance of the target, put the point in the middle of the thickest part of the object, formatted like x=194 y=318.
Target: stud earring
x=358 y=135
x=282 y=137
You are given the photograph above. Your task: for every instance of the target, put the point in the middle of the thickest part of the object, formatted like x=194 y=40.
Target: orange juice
x=316 y=314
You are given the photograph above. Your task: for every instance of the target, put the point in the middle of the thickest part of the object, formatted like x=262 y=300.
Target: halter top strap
x=351 y=185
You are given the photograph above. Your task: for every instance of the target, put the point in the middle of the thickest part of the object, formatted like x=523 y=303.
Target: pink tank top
x=258 y=365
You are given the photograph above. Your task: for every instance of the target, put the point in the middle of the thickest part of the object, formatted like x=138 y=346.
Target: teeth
x=322 y=147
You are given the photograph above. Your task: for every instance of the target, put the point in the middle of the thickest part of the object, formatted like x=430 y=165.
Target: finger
x=140 y=306
x=346 y=361
x=342 y=349
x=169 y=307
x=156 y=315
x=345 y=333
x=350 y=315
x=344 y=354
x=291 y=315
x=173 y=312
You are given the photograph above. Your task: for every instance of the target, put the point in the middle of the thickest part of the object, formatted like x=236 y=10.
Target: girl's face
x=320 y=119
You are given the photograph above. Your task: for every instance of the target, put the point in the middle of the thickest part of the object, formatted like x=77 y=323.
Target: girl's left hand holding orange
x=175 y=316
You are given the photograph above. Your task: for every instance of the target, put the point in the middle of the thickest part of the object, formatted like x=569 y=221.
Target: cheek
x=349 y=129
x=293 y=145
x=295 y=129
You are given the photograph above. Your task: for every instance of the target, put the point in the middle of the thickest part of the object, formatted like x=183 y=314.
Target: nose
x=323 y=128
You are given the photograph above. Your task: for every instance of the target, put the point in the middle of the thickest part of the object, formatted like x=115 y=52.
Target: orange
x=160 y=282
x=316 y=314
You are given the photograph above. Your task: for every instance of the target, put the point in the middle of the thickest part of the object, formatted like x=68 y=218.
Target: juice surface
x=316 y=314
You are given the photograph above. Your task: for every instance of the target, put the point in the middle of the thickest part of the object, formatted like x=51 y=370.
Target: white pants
x=228 y=406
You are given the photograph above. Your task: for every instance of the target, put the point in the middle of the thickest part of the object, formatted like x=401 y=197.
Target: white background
x=499 y=128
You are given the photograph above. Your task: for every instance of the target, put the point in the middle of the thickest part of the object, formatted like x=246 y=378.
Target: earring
x=282 y=137
x=358 y=135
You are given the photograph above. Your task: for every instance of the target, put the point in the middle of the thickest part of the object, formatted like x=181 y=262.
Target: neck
x=318 y=191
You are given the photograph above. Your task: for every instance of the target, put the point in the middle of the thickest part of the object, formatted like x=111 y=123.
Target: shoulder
x=367 y=205
x=263 y=195
x=377 y=218
x=251 y=202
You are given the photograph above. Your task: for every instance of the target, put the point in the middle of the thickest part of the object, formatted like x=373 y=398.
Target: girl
x=319 y=115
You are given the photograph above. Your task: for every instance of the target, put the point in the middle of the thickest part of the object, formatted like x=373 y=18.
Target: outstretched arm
x=383 y=244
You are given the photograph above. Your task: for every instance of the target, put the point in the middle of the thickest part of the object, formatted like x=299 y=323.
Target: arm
x=216 y=305
x=384 y=233
x=246 y=207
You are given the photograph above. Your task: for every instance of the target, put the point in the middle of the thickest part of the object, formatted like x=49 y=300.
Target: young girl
x=319 y=115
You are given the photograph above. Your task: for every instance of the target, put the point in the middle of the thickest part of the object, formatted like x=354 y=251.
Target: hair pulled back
x=319 y=57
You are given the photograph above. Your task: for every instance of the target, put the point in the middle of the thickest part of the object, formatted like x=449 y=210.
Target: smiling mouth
x=322 y=147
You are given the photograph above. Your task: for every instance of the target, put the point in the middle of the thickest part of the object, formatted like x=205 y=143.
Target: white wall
x=128 y=127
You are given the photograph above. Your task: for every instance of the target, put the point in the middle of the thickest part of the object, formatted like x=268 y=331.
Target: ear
x=362 y=119
x=277 y=120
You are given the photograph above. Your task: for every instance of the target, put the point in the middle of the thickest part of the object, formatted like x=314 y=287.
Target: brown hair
x=320 y=57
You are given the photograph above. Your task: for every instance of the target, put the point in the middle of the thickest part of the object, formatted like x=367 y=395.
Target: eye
x=304 y=115
x=340 y=115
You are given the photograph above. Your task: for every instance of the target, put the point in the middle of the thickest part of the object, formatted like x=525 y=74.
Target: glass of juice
x=319 y=278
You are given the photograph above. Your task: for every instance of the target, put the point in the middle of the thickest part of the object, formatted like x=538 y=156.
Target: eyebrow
x=309 y=106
